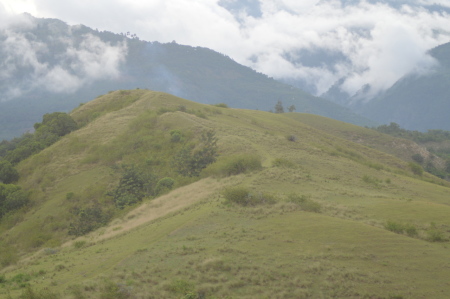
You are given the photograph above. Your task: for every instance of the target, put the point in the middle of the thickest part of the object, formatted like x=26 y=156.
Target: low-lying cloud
x=362 y=43
x=27 y=63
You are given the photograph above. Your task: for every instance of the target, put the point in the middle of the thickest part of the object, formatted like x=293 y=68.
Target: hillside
x=321 y=216
x=417 y=102
x=68 y=65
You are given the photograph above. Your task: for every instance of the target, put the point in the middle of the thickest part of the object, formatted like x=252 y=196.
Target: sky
x=316 y=42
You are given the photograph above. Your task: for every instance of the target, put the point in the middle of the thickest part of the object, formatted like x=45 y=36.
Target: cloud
x=365 y=42
x=28 y=64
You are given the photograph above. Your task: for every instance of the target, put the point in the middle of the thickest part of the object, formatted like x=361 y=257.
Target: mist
x=28 y=64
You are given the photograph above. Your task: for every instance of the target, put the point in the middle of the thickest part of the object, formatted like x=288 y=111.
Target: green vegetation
x=234 y=165
x=305 y=203
x=244 y=197
x=111 y=216
x=437 y=142
x=8 y=174
x=190 y=161
x=400 y=228
x=12 y=197
x=279 y=107
x=53 y=126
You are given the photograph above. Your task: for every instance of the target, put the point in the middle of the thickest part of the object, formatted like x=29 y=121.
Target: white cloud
x=25 y=62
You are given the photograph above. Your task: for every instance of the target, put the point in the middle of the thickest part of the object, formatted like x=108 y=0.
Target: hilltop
x=296 y=206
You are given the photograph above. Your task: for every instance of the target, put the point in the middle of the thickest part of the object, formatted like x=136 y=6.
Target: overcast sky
x=371 y=42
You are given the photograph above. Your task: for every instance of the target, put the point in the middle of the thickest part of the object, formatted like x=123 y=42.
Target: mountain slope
x=336 y=218
x=417 y=102
x=66 y=65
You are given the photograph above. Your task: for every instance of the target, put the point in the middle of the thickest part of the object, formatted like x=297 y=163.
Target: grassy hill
x=322 y=217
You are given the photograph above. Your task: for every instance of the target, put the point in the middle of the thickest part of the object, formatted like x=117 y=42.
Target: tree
x=190 y=162
x=58 y=123
x=291 y=108
x=279 y=107
x=12 y=197
x=8 y=174
x=131 y=188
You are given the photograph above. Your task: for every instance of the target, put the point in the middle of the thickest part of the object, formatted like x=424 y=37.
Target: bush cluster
x=401 y=228
x=305 y=203
x=190 y=161
x=242 y=196
x=12 y=197
x=234 y=165
x=53 y=126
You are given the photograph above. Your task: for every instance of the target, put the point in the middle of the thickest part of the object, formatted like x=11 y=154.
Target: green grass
x=343 y=220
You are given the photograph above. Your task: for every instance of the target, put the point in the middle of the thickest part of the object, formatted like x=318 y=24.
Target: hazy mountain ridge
x=66 y=65
x=417 y=102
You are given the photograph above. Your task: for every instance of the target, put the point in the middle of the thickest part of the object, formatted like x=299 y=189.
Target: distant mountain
x=49 y=66
x=417 y=102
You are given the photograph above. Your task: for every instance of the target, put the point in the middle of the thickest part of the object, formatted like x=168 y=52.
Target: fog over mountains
x=315 y=44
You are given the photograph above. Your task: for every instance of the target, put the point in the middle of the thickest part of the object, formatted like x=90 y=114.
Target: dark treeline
x=417 y=136
x=52 y=127
x=436 y=142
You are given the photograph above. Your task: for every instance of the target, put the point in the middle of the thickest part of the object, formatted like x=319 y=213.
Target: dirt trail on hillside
x=159 y=207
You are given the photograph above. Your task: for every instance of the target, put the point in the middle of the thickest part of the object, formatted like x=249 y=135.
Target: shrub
x=305 y=203
x=113 y=290
x=292 y=138
x=233 y=165
x=434 y=234
x=79 y=244
x=29 y=293
x=8 y=255
x=176 y=136
x=164 y=185
x=400 y=228
x=130 y=189
x=221 y=105
x=12 y=197
x=8 y=174
x=281 y=162
x=243 y=197
x=418 y=158
x=394 y=227
x=237 y=195
x=87 y=220
x=181 y=287
x=190 y=162
x=416 y=168
x=411 y=230
x=371 y=180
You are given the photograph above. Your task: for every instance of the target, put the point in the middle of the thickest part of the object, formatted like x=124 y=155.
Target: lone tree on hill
x=291 y=108
x=279 y=107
